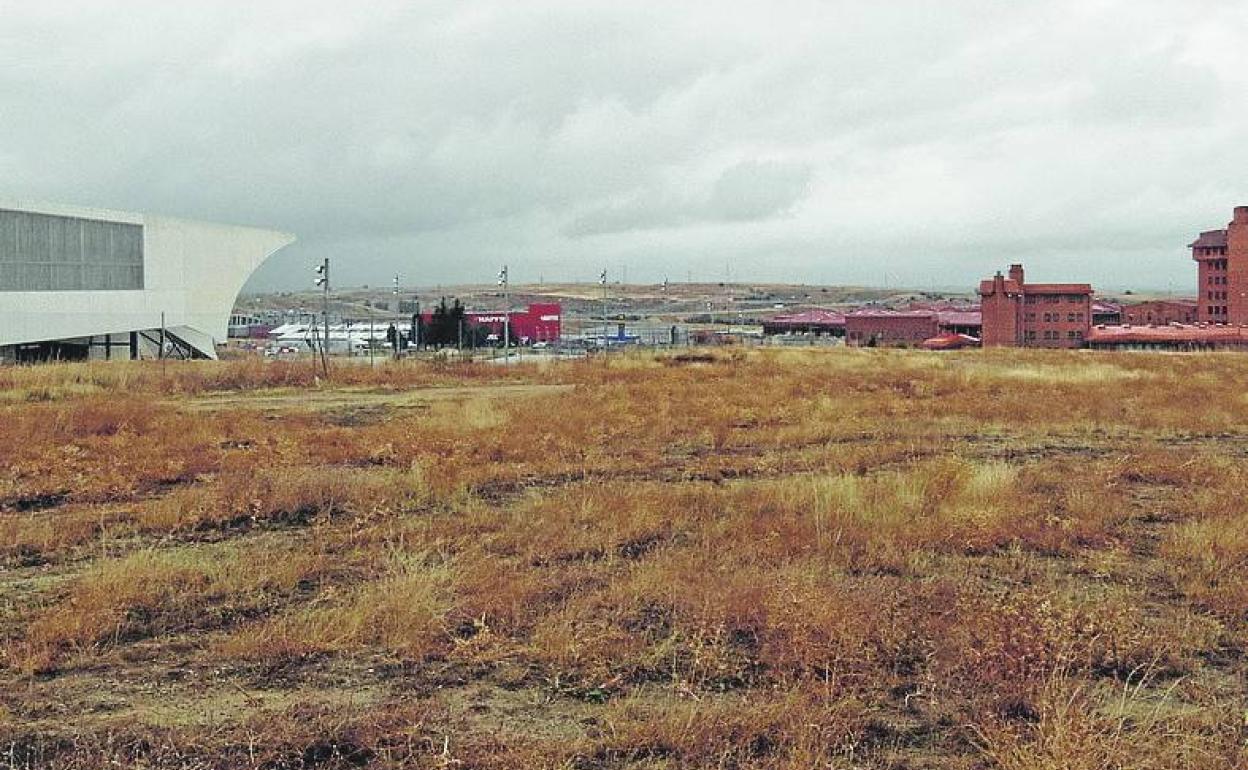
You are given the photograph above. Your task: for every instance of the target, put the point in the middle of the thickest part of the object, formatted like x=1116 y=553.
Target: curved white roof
x=191 y=273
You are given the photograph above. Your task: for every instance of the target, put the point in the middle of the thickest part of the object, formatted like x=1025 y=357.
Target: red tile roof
x=1183 y=303
x=809 y=318
x=1057 y=288
x=1012 y=287
x=960 y=318
x=949 y=342
x=879 y=312
x=1212 y=239
x=1175 y=333
x=944 y=305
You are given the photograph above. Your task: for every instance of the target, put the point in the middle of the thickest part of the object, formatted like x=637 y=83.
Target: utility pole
x=370 y=332
x=162 y=344
x=503 y=281
x=322 y=280
x=398 y=335
x=602 y=280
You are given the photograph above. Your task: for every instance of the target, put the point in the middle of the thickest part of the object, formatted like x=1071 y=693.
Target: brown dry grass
x=779 y=559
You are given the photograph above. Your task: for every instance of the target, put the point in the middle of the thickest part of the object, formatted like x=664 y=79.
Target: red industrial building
x=880 y=326
x=890 y=327
x=541 y=322
x=816 y=322
x=905 y=328
x=1222 y=257
x=1043 y=315
x=1106 y=312
x=1160 y=312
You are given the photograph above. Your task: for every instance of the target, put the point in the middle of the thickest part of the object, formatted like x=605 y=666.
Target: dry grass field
x=780 y=559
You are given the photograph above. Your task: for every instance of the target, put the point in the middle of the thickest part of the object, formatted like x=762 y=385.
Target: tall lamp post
x=398 y=335
x=602 y=280
x=322 y=280
x=503 y=282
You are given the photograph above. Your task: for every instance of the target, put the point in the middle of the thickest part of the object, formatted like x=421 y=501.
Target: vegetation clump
x=748 y=559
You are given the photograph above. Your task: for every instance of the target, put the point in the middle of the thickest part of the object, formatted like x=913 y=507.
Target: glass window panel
x=41 y=252
x=8 y=238
x=67 y=277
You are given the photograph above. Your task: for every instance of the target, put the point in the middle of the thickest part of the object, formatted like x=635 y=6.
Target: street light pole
x=322 y=280
x=602 y=279
x=504 y=281
x=398 y=336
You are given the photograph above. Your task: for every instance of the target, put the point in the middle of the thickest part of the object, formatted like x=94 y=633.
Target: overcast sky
x=881 y=143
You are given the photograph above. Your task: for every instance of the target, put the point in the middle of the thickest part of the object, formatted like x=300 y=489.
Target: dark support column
x=134 y=346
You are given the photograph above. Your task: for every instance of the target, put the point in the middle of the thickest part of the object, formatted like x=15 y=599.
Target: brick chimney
x=1241 y=216
x=1016 y=274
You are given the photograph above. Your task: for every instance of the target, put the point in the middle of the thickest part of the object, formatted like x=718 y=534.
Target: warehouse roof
x=880 y=312
x=809 y=318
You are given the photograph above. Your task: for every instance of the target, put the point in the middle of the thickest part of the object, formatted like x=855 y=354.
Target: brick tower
x=1222 y=272
x=1034 y=315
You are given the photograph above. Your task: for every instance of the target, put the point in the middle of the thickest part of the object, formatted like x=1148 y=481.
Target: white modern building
x=90 y=283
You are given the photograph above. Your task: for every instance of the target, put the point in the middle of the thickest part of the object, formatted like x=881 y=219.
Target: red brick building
x=816 y=322
x=907 y=328
x=889 y=328
x=1176 y=337
x=1041 y=315
x=1106 y=313
x=1161 y=312
x=1222 y=257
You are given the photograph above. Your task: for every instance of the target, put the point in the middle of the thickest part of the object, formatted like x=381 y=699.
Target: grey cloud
x=758 y=190
x=744 y=192
x=793 y=136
